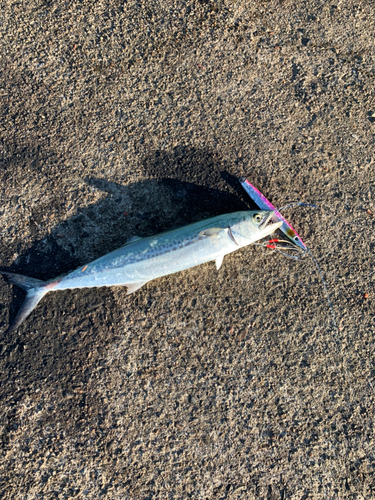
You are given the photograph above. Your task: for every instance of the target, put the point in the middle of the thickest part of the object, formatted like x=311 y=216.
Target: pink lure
x=264 y=204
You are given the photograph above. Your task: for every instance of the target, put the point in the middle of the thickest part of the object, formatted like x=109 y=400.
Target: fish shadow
x=177 y=188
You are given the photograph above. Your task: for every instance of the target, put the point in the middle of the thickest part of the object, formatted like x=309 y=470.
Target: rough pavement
x=123 y=118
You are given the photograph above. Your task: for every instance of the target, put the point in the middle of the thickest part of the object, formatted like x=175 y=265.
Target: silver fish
x=143 y=259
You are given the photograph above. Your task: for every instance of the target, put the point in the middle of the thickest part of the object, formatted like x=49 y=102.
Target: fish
x=141 y=260
x=264 y=204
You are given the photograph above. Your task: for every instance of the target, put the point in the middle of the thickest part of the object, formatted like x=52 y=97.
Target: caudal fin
x=35 y=290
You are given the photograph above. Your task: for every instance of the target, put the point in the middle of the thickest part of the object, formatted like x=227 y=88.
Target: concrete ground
x=123 y=118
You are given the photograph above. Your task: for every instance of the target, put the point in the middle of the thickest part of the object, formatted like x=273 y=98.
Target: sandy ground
x=123 y=118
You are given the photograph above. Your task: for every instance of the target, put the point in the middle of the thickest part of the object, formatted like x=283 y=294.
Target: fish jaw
x=269 y=229
x=265 y=204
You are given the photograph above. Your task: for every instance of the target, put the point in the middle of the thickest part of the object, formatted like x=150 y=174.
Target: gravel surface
x=124 y=118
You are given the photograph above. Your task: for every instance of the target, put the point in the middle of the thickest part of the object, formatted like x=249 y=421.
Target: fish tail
x=35 y=291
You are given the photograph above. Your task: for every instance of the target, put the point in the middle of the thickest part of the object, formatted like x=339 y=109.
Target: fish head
x=254 y=225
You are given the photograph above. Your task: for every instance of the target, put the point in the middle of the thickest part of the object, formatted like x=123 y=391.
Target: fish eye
x=296 y=238
x=257 y=218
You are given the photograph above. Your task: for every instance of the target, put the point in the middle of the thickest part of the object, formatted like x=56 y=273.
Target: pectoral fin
x=212 y=231
x=133 y=287
x=219 y=261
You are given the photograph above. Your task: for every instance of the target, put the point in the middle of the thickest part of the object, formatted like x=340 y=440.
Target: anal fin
x=219 y=261
x=133 y=287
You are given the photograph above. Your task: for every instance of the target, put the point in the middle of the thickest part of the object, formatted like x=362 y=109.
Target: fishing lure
x=264 y=204
x=288 y=230
x=144 y=259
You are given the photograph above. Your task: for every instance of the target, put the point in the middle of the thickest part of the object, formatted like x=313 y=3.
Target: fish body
x=144 y=259
x=265 y=204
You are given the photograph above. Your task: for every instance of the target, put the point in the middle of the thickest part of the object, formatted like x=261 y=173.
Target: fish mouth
x=267 y=219
x=267 y=225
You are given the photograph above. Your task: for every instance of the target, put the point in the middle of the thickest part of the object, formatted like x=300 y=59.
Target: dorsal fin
x=132 y=239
